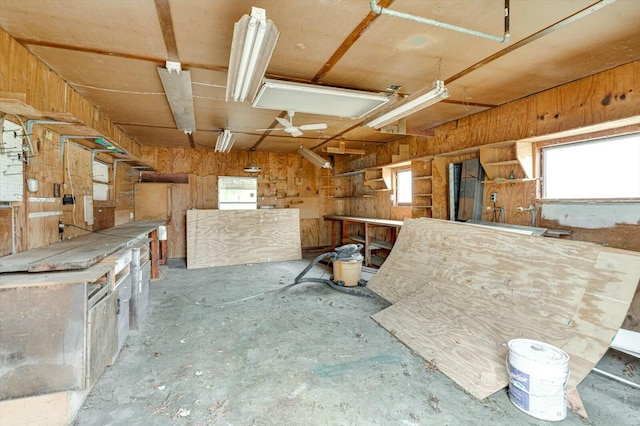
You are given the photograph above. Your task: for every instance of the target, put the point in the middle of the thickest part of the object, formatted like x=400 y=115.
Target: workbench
x=61 y=327
x=341 y=224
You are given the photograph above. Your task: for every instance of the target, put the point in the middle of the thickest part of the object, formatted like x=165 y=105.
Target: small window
x=100 y=181
x=599 y=169
x=403 y=187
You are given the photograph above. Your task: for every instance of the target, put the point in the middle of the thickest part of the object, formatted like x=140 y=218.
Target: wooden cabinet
x=378 y=178
x=140 y=277
x=421 y=188
x=512 y=161
x=58 y=329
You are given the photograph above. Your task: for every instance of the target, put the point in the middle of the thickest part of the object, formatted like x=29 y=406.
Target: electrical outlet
x=494 y=197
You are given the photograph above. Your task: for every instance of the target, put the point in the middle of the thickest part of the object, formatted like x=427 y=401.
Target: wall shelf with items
x=508 y=162
x=378 y=178
x=421 y=188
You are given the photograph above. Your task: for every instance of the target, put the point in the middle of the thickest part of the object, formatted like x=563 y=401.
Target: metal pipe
x=379 y=10
x=614 y=377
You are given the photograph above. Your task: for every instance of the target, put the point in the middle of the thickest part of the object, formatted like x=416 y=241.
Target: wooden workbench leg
x=163 y=252
x=334 y=236
x=155 y=273
x=367 y=245
x=345 y=232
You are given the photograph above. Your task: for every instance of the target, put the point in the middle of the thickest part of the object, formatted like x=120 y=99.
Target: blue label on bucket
x=519 y=387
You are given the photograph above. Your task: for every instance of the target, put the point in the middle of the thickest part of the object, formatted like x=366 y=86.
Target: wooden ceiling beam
x=96 y=51
x=349 y=42
x=533 y=37
x=166 y=26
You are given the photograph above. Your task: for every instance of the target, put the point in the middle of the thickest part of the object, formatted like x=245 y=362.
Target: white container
x=32 y=185
x=349 y=272
x=538 y=374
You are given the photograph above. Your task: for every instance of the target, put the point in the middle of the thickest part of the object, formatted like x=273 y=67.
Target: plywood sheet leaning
x=460 y=293
x=234 y=237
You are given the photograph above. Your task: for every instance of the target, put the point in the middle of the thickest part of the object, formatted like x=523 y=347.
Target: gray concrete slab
x=210 y=354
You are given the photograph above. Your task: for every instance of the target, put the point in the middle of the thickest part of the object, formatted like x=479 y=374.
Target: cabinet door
x=102 y=337
x=41 y=339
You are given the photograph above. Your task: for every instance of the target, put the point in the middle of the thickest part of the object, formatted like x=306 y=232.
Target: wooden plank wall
x=27 y=78
x=285 y=180
x=574 y=105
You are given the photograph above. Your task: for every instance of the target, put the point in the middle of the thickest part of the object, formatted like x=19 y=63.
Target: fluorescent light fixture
x=225 y=141
x=177 y=87
x=252 y=168
x=315 y=99
x=437 y=93
x=254 y=38
x=314 y=158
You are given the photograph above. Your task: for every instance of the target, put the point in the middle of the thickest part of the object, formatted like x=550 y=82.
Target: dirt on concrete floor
x=232 y=346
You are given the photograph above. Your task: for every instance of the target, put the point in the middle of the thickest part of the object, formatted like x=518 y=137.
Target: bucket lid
x=538 y=351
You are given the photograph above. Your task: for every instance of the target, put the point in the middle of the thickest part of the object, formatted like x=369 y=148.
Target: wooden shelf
x=511 y=161
x=348 y=174
x=421 y=172
x=502 y=163
x=503 y=180
x=378 y=178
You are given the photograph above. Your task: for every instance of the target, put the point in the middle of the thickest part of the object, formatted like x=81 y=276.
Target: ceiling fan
x=295 y=131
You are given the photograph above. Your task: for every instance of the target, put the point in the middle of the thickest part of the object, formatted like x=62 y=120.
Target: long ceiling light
x=177 y=87
x=437 y=93
x=315 y=99
x=225 y=141
x=254 y=38
x=314 y=158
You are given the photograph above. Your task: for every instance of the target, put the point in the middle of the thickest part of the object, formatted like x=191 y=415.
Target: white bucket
x=349 y=272
x=32 y=185
x=538 y=374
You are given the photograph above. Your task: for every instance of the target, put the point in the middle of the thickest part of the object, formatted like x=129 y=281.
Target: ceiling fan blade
x=317 y=126
x=271 y=129
x=295 y=132
x=283 y=122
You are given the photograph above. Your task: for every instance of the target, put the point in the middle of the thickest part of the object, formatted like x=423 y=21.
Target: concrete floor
x=306 y=355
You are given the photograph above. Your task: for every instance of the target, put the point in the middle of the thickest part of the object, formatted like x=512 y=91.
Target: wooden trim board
x=461 y=292
x=234 y=237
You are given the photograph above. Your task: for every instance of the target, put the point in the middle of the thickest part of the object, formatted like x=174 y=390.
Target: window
x=402 y=187
x=100 y=181
x=599 y=169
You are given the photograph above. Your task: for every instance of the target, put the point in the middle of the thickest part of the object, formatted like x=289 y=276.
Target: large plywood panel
x=233 y=237
x=461 y=293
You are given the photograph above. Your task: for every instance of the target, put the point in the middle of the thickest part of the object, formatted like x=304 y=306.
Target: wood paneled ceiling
x=109 y=51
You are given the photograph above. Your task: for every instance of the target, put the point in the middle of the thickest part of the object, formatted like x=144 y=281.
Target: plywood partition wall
x=461 y=292
x=234 y=237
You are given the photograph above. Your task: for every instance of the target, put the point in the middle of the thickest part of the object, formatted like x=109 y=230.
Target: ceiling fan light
x=225 y=141
x=314 y=158
x=437 y=93
x=254 y=39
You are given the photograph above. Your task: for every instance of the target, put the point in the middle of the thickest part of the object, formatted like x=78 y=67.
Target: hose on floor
x=356 y=291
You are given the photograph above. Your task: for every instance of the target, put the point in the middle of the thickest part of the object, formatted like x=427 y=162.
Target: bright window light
x=403 y=187
x=599 y=169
